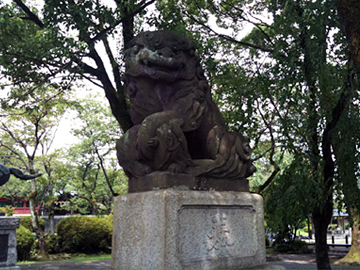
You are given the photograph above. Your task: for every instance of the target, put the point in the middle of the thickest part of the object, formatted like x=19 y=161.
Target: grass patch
x=69 y=258
x=92 y=257
x=270 y=250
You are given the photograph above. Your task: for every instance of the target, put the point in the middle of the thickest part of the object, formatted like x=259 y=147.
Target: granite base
x=182 y=229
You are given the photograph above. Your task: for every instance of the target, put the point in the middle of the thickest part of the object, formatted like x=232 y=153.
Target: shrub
x=25 y=240
x=52 y=243
x=282 y=247
x=27 y=223
x=297 y=246
x=109 y=218
x=8 y=210
x=85 y=234
x=300 y=246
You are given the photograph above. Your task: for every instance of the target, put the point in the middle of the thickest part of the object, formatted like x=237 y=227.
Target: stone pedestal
x=183 y=229
x=8 y=254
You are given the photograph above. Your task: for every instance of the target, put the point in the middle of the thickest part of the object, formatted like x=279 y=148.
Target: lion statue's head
x=161 y=55
x=161 y=69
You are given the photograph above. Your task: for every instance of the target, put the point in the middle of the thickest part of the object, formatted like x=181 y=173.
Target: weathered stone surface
x=177 y=126
x=12 y=238
x=9 y=222
x=164 y=180
x=182 y=229
x=8 y=254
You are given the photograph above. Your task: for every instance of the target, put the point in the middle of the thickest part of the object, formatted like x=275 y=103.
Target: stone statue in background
x=5 y=173
x=178 y=129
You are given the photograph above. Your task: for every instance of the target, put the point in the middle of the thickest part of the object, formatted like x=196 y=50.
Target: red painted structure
x=21 y=207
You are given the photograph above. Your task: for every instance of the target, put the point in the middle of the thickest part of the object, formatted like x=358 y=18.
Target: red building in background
x=21 y=207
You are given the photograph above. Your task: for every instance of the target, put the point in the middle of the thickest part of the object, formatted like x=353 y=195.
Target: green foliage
x=296 y=246
x=109 y=218
x=291 y=197
x=24 y=243
x=54 y=44
x=300 y=246
x=8 y=210
x=263 y=164
x=347 y=141
x=52 y=243
x=92 y=171
x=85 y=234
x=27 y=223
x=15 y=188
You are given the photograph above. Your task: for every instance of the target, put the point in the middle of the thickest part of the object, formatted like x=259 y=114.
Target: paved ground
x=104 y=265
x=308 y=262
x=289 y=261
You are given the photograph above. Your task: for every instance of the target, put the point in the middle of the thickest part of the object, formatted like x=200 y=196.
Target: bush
x=85 y=234
x=53 y=245
x=297 y=246
x=8 y=210
x=27 y=223
x=300 y=246
x=282 y=247
x=25 y=240
x=109 y=218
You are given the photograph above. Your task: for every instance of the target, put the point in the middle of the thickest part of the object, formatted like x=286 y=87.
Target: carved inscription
x=4 y=242
x=219 y=236
x=215 y=232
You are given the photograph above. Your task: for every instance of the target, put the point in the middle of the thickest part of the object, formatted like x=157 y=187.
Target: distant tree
x=26 y=131
x=96 y=177
x=347 y=141
x=65 y=41
x=15 y=189
x=290 y=77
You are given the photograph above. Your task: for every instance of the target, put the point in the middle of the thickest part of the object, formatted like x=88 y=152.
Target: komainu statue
x=179 y=136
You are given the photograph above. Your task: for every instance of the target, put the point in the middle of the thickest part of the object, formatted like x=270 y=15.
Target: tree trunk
x=35 y=221
x=12 y=201
x=354 y=253
x=51 y=219
x=321 y=218
x=309 y=228
x=34 y=215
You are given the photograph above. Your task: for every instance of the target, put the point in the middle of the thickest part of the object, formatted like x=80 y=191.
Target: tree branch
x=131 y=14
x=31 y=15
x=228 y=38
